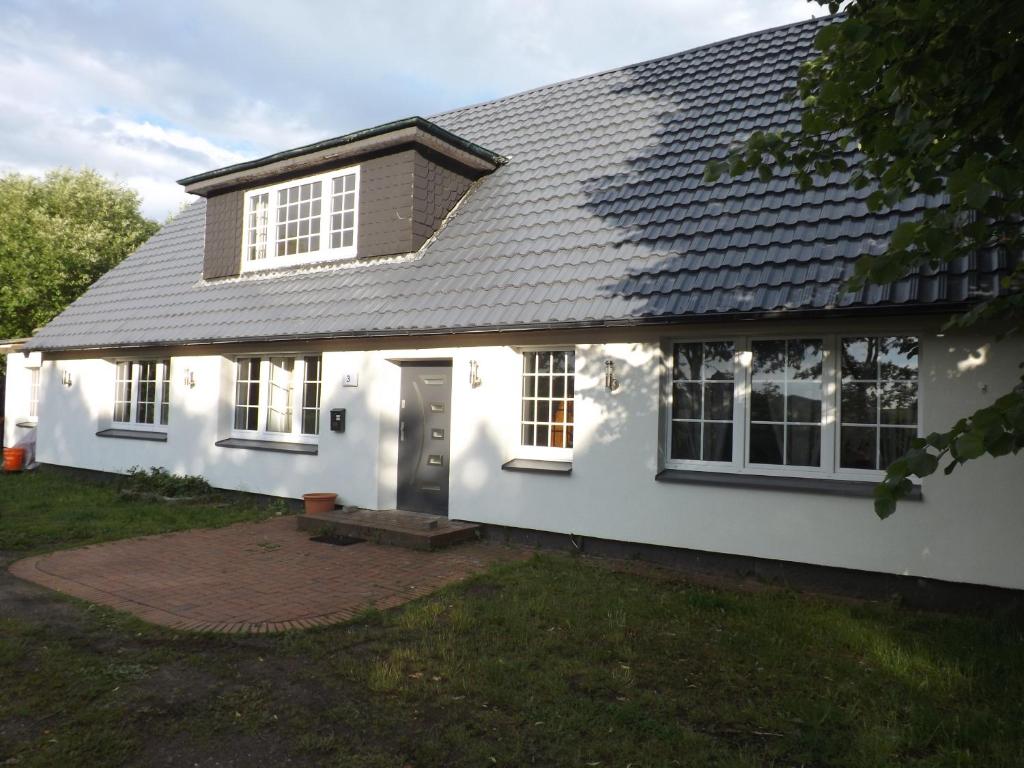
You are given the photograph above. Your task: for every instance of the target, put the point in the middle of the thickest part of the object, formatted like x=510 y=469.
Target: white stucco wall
x=16 y=399
x=969 y=527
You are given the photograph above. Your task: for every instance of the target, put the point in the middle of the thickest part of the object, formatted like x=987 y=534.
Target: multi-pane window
x=298 y=218
x=703 y=383
x=279 y=404
x=549 y=385
x=311 y=397
x=277 y=395
x=803 y=406
x=256 y=227
x=33 y=393
x=343 y=211
x=165 y=394
x=146 y=402
x=785 y=402
x=247 y=393
x=878 y=400
x=123 y=392
x=142 y=391
x=301 y=221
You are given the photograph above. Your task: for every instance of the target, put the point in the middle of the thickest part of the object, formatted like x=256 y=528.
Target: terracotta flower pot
x=14 y=459
x=318 y=503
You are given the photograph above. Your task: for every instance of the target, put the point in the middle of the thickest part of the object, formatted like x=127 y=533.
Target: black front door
x=423 y=439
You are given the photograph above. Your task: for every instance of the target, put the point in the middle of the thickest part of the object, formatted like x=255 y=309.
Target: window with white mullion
x=280 y=386
x=147 y=394
x=298 y=216
x=837 y=405
x=302 y=220
x=165 y=391
x=123 y=392
x=247 y=394
x=277 y=396
x=786 y=417
x=343 y=211
x=257 y=226
x=311 y=383
x=878 y=403
x=703 y=401
x=141 y=392
x=548 y=398
x=33 y=392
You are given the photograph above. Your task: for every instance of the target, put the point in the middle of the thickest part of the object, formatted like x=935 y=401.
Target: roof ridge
x=625 y=67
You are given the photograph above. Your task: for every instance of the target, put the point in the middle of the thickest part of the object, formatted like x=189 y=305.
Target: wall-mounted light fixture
x=474 y=374
x=610 y=382
x=65 y=378
x=190 y=378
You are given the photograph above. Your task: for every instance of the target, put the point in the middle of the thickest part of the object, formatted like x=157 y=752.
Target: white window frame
x=870 y=474
x=738 y=391
x=163 y=373
x=302 y=408
x=830 y=426
x=541 y=452
x=325 y=252
x=829 y=343
x=35 y=378
x=297 y=406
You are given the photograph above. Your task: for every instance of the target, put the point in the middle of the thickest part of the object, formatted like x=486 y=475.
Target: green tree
x=912 y=97
x=58 y=234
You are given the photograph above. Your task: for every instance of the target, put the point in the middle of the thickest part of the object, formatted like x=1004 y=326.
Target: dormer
x=379 y=192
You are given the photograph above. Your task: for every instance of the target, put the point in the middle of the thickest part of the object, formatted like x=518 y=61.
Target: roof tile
x=600 y=215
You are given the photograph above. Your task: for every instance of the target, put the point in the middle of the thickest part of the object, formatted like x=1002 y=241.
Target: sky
x=147 y=93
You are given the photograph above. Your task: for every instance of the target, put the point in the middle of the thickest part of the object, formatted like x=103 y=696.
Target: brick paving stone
x=252 y=577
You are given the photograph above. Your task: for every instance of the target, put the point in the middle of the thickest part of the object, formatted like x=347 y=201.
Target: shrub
x=159 y=482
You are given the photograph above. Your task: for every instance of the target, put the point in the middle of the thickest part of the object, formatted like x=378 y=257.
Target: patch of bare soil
x=176 y=687
x=23 y=600
x=235 y=751
x=482 y=589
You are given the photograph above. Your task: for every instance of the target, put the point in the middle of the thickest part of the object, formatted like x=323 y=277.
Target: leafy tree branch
x=58 y=235
x=920 y=101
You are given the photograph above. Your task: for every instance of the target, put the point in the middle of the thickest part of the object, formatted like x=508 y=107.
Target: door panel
x=423 y=438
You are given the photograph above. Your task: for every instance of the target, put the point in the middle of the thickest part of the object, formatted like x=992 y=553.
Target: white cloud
x=147 y=133
x=153 y=92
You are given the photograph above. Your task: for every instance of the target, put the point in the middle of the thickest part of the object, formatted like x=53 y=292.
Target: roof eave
x=13 y=345
x=774 y=314
x=412 y=130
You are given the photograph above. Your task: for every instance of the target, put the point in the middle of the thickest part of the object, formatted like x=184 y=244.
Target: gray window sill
x=269 y=445
x=134 y=434
x=538 y=465
x=822 y=485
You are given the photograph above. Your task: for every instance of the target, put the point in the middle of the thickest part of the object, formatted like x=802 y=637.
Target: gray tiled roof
x=600 y=216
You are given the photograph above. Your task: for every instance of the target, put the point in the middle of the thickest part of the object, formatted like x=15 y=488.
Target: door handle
x=401 y=431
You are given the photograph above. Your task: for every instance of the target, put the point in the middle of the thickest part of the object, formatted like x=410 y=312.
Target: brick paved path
x=251 y=577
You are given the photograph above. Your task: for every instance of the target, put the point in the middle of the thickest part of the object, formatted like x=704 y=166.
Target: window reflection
x=878 y=400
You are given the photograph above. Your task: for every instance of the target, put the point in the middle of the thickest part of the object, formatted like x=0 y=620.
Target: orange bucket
x=14 y=459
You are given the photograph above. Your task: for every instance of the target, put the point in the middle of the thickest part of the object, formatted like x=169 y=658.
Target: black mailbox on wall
x=337 y=419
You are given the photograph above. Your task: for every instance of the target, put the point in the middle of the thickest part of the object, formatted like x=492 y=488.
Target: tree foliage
x=921 y=97
x=58 y=234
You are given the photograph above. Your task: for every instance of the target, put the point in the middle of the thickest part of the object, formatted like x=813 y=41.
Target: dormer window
x=301 y=221
x=413 y=174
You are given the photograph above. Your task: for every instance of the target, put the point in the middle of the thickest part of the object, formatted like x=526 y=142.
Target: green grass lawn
x=552 y=662
x=49 y=510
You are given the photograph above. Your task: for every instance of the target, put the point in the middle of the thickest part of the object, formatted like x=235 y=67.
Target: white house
x=533 y=313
